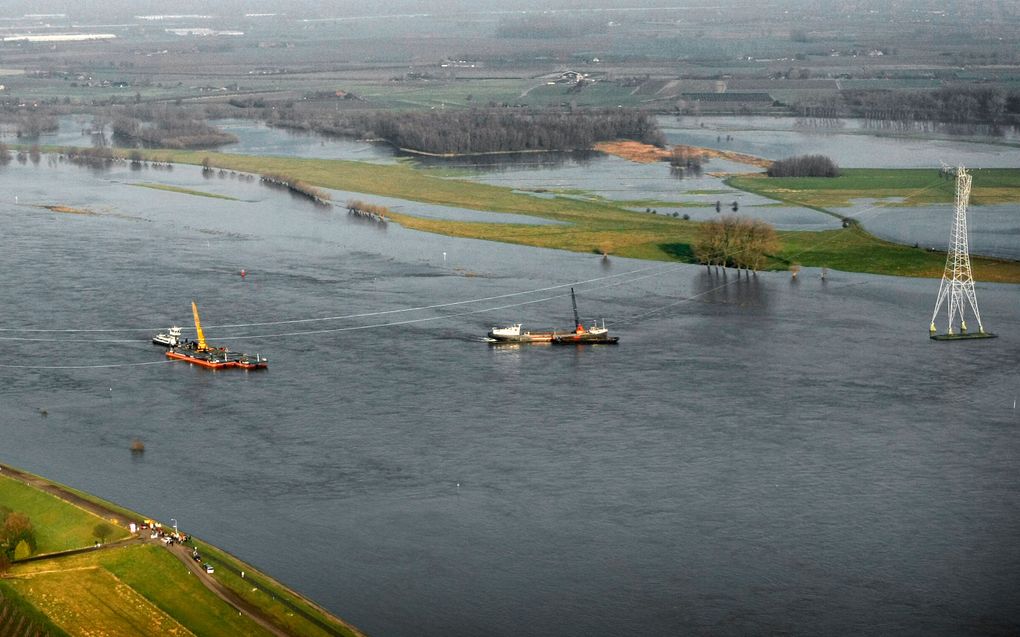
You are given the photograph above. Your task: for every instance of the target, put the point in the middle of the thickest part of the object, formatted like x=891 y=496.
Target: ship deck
x=962 y=337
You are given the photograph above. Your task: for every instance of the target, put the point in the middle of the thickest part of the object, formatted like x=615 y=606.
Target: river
x=757 y=455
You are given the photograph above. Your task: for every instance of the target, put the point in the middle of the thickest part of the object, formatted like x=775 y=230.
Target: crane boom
x=573 y=301
x=198 y=328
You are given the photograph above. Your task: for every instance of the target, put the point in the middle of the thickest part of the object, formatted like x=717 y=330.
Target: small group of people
x=167 y=536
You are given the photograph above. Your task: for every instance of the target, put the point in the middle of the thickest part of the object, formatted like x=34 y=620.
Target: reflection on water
x=725 y=286
x=682 y=172
x=951 y=129
x=498 y=162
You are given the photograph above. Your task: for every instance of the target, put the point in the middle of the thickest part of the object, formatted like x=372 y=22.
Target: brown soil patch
x=647 y=153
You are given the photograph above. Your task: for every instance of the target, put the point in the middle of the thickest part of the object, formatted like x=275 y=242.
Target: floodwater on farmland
x=757 y=455
x=850 y=142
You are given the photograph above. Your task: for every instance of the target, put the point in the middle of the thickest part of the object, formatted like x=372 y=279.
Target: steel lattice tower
x=957 y=279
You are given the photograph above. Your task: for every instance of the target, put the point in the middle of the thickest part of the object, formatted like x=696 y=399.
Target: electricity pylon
x=957 y=279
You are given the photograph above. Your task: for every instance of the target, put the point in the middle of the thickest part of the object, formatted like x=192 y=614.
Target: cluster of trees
x=32 y=124
x=950 y=104
x=166 y=128
x=17 y=537
x=177 y=133
x=95 y=156
x=736 y=242
x=804 y=166
x=686 y=157
x=481 y=131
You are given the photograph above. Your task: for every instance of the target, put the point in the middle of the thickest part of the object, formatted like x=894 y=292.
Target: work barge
x=199 y=352
x=580 y=335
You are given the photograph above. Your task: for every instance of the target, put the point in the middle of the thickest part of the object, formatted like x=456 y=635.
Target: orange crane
x=198 y=328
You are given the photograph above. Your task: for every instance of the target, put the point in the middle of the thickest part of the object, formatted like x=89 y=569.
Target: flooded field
x=654 y=186
x=850 y=143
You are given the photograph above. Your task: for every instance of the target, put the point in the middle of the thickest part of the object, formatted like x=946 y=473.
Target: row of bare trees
x=736 y=242
x=477 y=130
x=296 y=186
x=967 y=103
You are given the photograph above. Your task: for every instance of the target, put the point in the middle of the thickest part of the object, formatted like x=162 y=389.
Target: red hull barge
x=219 y=359
x=201 y=354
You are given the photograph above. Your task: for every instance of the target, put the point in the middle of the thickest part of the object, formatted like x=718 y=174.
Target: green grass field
x=79 y=600
x=165 y=583
x=130 y=590
x=58 y=525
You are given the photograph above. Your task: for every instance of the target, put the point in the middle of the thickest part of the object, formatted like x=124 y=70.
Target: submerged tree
x=736 y=242
x=804 y=166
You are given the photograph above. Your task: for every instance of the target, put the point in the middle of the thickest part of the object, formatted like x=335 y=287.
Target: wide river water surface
x=757 y=455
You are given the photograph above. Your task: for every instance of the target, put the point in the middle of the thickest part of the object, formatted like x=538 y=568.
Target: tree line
x=296 y=186
x=478 y=130
x=949 y=104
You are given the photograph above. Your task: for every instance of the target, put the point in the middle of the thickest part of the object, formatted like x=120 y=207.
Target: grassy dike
x=134 y=586
x=602 y=226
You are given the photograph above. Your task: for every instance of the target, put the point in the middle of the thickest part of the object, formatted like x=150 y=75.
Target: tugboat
x=170 y=338
x=514 y=334
x=581 y=335
x=595 y=334
x=201 y=354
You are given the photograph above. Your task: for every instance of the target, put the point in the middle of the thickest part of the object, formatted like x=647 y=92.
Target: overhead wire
x=376 y=325
x=628 y=320
x=341 y=317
